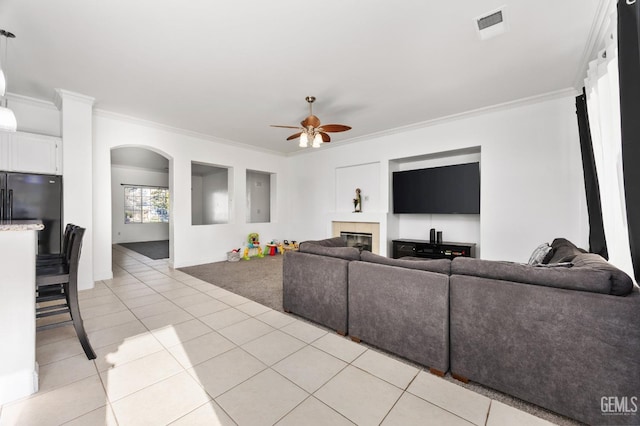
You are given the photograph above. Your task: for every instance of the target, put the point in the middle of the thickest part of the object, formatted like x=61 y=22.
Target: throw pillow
x=540 y=254
x=621 y=283
x=564 y=251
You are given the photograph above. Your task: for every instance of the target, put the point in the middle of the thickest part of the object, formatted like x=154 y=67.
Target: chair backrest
x=65 y=241
x=75 y=244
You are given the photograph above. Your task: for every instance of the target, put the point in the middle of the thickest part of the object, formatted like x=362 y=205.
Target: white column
x=77 y=172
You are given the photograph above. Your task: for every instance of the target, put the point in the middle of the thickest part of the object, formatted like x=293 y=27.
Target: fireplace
x=359 y=240
x=359 y=234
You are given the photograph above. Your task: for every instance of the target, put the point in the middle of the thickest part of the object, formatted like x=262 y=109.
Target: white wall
x=190 y=245
x=215 y=194
x=532 y=187
x=366 y=177
x=196 y=200
x=131 y=232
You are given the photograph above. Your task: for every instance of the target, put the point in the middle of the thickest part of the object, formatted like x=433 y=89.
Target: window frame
x=142 y=206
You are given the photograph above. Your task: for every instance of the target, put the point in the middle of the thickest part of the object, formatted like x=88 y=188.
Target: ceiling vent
x=491 y=24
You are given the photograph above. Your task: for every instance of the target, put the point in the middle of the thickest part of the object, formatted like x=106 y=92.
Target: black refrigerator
x=34 y=197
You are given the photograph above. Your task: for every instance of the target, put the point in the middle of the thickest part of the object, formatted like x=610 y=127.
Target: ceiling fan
x=311 y=129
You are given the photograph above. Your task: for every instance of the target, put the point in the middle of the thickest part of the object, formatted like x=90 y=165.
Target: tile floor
x=172 y=349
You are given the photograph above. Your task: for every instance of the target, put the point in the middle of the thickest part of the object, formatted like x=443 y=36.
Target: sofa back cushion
x=347 y=253
x=582 y=279
x=621 y=283
x=441 y=266
x=328 y=242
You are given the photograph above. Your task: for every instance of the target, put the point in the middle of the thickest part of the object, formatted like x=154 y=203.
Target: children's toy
x=275 y=247
x=289 y=245
x=253 y=248
x=233 y=255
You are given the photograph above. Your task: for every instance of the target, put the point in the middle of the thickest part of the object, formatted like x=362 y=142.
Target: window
x=144 y=204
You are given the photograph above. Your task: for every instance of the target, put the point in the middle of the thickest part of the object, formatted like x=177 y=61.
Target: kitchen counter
x=18 y=248
x=21 y=225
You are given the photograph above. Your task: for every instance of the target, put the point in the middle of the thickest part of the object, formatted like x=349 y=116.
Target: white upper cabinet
x=30 y=153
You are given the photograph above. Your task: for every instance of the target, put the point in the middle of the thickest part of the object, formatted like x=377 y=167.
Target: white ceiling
x=229 y=69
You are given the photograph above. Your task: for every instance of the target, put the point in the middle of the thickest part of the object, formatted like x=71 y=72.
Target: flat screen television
x=438 y=190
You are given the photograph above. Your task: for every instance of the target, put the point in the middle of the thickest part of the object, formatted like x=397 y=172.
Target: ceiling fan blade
x=294 y=136
x=286 y=127
x=325 y=137
x=335 y=128
x=312 y=121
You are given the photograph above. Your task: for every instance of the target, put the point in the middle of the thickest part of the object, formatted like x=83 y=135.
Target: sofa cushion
x=441 y=266
x=583 y=279
x=328 y=242
x=564 y=251
x=621 y=283
x=348 y=253
x=542 y=254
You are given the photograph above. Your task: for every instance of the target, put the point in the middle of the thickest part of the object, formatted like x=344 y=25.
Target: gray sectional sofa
x=314 y=281
x=401 y=306
x=564 y=335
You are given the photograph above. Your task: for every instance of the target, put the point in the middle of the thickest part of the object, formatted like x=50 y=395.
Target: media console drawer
x=423 y=248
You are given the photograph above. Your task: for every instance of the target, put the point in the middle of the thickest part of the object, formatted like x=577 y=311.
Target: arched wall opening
x=141 y=200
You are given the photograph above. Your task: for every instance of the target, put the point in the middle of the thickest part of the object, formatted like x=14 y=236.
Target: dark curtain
x=597 y=241
x=629 y=68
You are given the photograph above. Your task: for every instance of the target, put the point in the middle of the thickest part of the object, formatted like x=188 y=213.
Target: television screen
x=438 y=190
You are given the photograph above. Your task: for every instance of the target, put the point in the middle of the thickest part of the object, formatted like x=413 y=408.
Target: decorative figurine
x=357 y=202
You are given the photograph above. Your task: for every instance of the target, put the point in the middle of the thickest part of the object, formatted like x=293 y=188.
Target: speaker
x=432 y=236
x=439 y=238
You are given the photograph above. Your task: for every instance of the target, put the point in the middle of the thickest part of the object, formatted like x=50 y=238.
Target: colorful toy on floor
x=253 y=248
x=275 y=247
x=289 y=245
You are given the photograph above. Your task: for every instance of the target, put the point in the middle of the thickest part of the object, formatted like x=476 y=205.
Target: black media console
x=422 y=248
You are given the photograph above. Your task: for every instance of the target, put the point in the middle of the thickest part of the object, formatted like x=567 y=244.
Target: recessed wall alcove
x=455 y=227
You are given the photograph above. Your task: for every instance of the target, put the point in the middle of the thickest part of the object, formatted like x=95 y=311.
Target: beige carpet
x=258 y=279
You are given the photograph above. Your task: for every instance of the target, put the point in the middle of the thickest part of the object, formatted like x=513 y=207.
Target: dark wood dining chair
x=63 y=256
x=57 y=291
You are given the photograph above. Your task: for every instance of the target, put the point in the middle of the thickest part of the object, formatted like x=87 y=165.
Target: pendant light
x=7 y=117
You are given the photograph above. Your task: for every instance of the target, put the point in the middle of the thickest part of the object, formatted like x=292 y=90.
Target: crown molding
x=62 y=94
x=595 y=41
x=559 y=94
x=184 y=132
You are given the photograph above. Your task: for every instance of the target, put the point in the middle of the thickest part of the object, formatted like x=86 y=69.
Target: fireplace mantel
x=373 y=217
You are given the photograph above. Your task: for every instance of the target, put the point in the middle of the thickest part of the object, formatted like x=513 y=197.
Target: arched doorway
x=141 y=211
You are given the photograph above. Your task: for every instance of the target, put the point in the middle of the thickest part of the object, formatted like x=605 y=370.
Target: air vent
x=491 y=24
x=490 y=21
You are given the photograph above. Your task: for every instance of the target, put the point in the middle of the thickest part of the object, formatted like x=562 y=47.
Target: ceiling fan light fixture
x=304 y=140
x=311 y=131
x=317 y=141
